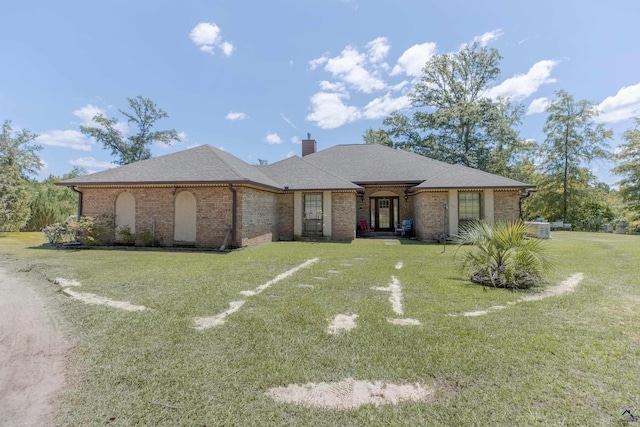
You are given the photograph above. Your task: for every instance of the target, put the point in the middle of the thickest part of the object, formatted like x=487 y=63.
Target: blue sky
x=254 y=77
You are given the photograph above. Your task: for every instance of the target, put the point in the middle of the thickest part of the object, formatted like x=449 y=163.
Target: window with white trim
x=312 y=221
x=468 y=207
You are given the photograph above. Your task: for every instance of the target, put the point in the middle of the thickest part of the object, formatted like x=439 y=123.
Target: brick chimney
x=309 y=145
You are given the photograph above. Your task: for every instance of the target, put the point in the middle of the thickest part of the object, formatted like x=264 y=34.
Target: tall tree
x=18 y=160
x=572 y=141
x=144 y=114
x=51 y=203
x=453 y=118
x=628 y=167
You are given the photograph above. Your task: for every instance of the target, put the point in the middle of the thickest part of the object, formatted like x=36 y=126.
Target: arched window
x=126 y=211
x=185 y=217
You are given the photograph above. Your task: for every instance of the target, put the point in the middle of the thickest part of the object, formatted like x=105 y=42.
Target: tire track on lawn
x=566 y=286
x=203 y=323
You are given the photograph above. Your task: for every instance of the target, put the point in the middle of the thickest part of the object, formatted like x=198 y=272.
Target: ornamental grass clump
x=503 y=255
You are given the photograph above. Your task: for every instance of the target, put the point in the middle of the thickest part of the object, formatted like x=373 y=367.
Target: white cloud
x=315 y=63
x=286 y=119
x=349 y=66
x=295 y=140
x=384 y=105
x=87 y=113
x=329 y=112
x=232 y=115
x=290 y=154
x=272 y=138
x=524 y=40
x=521 y=86
x=399 y=86
x=182 y=135
x=206 y=35
x=378 y=49
x=412 y=60
x=488 y=37
x=91 y=162
x=538 y=105
x=227 y=48
x=622 y=106
x=66 y=138
x=351 y=3
x=331 y=86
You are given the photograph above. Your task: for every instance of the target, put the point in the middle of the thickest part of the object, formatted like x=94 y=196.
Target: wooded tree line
x=26 y=204
x=453 y=118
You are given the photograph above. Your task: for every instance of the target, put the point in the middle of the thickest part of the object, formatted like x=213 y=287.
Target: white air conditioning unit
x=541 y=230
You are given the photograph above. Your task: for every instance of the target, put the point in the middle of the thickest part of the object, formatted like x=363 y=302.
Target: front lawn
x=571 y=359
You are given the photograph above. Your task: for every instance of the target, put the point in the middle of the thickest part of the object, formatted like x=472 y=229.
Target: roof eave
x=474 y=187
x=166 y=184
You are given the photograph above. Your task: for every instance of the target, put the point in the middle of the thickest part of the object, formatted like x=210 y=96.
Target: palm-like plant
x=503 y=255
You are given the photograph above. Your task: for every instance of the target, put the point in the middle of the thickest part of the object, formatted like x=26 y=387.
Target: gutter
x=73 y=187
x=234 y=212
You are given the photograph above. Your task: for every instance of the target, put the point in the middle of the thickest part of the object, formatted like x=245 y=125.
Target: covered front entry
x=384 y=213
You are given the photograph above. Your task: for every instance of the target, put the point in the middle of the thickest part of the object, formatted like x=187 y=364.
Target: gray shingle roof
x=298 y=174
x=202 y=164
x=373 y=163
x=458 y=176
x=341 y=167
x=363 y=163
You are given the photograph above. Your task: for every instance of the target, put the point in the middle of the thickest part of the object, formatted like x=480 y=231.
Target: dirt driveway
x=33 y=349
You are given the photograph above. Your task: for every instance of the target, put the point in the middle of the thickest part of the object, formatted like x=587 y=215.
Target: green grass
x=565 y=360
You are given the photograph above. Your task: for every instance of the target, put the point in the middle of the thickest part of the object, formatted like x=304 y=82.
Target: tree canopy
x=144 y=114
x=17 y=149
x=51 y=203
x=454 y=119
x=628 y=156
x=18 y=160
x=572 y=141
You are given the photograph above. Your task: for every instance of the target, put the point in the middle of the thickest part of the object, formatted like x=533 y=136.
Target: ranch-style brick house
x=193 y=197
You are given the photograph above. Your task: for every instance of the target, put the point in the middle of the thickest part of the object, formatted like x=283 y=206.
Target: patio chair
x=364 y=227
x=404 y=228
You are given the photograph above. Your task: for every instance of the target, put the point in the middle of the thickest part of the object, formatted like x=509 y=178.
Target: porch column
x=326 y=214
x=453 y=212
x=489 y=216
x=297 y=214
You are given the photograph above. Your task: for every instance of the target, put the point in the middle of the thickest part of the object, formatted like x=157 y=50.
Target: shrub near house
x=503 y=256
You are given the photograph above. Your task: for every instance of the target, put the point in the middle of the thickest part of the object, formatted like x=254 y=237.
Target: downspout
x=234 y=212
x=523 y=196
x=79 y=201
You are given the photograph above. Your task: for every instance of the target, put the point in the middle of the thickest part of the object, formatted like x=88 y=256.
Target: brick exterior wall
x=343 y=218
x=214 y=207
x=506 y=205
x=285 y=216
x=428 y=214
x=264 y=216
x=258 y=211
